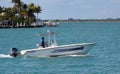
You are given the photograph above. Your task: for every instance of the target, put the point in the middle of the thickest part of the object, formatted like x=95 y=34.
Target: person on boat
x=43 y=42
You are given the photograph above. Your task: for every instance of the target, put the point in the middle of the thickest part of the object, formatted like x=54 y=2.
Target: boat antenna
x=48 y=37
x=55 y=42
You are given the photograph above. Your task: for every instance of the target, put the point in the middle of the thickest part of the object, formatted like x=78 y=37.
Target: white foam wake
x=5 y=56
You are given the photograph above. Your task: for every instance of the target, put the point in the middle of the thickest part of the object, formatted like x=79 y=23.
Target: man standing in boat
x=43 y=42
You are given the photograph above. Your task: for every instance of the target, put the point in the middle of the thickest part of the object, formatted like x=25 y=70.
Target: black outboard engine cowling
x=14 y=52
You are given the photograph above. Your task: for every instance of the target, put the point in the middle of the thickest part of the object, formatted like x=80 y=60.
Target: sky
x=77 y=9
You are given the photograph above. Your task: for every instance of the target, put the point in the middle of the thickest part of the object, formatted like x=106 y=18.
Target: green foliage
x=20 y=12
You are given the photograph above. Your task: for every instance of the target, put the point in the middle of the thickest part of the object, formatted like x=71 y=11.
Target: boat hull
x=73 y=49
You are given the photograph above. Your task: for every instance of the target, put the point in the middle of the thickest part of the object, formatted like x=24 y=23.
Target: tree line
x=20 y=12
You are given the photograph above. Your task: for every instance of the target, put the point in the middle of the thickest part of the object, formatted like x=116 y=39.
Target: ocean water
x=104 y=58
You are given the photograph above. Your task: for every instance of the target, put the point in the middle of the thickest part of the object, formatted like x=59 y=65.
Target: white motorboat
x=51 y=23
x=53 y=50
x=72 y=49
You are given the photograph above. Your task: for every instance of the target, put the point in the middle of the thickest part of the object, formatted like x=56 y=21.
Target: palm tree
x=24 y=6
x=26 y=12
x=38 y=10
x=1 y=9
x=16 y=2
x=0 y=13
x=31 y=10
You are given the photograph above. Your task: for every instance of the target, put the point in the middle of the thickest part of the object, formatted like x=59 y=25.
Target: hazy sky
x=78 y=9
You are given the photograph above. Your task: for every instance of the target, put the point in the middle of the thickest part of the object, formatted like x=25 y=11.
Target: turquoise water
x=104 y=58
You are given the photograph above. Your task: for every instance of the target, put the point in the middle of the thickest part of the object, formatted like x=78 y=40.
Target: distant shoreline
x=92 y=20
x=87 y=20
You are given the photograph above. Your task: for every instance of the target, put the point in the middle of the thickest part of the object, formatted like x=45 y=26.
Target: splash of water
x=5 y=56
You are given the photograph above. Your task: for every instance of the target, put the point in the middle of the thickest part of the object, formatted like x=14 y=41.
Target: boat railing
x=51 y=38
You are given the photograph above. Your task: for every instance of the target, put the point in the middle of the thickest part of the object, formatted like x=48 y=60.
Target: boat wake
x=5 y=56
x=8 y=56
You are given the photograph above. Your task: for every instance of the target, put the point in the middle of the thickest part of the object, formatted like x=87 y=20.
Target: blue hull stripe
x=66 y=50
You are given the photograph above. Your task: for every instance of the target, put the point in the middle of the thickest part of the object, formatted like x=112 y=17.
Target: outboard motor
x=14 y=52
